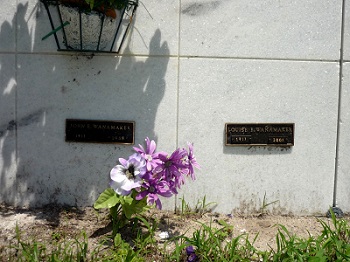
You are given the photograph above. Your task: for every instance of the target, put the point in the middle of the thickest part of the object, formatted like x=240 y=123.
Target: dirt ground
x=50 y=223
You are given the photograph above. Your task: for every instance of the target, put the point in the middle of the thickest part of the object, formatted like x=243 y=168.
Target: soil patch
x=53 y=223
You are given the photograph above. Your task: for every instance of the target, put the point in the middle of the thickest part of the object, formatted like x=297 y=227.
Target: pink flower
x=151 y=158
x=192 y=162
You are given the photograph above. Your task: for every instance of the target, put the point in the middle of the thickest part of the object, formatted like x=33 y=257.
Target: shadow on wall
x=8 y=87
x=40 y=91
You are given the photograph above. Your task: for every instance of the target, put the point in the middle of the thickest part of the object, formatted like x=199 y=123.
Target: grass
x=210 y=242
x=32 y=250
x=202 y=207
x=265 y=204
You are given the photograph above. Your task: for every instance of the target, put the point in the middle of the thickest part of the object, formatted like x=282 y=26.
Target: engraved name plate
x=262 y=134
x=98 y=131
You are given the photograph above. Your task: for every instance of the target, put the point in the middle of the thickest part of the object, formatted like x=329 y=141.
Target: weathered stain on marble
x=27 y=120
x=196 y=9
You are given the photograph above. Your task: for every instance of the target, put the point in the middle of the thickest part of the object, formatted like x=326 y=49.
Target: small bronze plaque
x=259 y=134
x=97 y=131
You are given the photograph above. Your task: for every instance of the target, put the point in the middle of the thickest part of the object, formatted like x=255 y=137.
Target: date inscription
x=97 y=131
x=265 y=134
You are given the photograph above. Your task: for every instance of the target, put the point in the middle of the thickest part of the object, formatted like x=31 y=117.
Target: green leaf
x=107 y=199
x=118 y=240
x=126 y=200
x=132 y=206
x=142 y=206
x=128 y=206
x=91 y=3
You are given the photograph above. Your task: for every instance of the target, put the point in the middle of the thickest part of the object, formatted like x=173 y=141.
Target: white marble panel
x=8 y=27
x=33 y=25
x=8 y=164
x=218 y=91
x=261 y=29
x=155 y=19
x=343 y=175
x=54 y=88
x=347 y=31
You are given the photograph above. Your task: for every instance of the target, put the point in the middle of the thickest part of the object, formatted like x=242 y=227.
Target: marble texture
x=343 y=181
x=261 y=29
x=32 y=25
x=215 y=92
x=154 y=15
x=347 y=31
x=186 y=69
x=8 y=27
x=8 y=163
x=52 y=170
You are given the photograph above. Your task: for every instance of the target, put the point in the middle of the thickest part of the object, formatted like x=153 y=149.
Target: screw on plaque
x=337 y=212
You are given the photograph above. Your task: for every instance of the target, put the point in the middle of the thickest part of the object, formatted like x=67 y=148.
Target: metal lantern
x=75 y=29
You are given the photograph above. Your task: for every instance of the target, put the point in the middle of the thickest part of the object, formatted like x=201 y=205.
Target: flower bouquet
x=138 y=182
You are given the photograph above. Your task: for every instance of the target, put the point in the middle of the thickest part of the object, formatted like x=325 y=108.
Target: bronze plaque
x=281 y=134
x=97 y=131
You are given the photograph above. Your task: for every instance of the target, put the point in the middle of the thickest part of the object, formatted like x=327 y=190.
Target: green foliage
x=335 y=240
x=28 y=251
x=123 y=252
x=200 y=208
x=122 y=208
x=178 y=253
x=332 y=245
x=33 y=251
x=217 y=244
x=132 y=206
x=107 y=199
x=290 y=247
x=185 y=208
x=265 y=204
x=56 y=236
x=213 y=242
x=203 y=207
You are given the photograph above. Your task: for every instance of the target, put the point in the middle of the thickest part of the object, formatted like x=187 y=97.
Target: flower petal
x=152 y=147
x=116 y=187
x=123 y=161
x=117 y=174
x=129 y=184
x=141 y=195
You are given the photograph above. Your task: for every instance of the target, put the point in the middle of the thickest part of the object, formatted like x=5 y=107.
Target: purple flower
x=153 y=174
x=191 y=255
x=149 y=154
x=172 y=168
x=189 y=250
x=128 y=175
x=192 y=162
x=152 y=187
